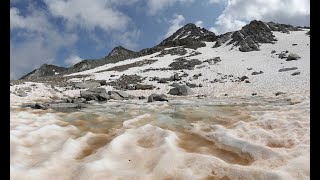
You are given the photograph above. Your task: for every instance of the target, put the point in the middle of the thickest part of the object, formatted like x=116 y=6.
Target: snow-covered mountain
x=234 y=106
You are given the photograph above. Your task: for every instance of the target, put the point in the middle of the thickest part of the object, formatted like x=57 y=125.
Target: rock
x=225 y=94
x=295 y=73
x=243 y=78
x=141 y=97
x=112 y=75
x=294 y=44
x=197 y=75
x=163 y=80
x=87 y=85
x=40 y=106
x=256 y=73
x=97 y=94
x=78 y=100
x=201 y=96
x=182 y=90
x=118 y=95
x=143 y=86
x=282 y=55
x=273 y=51
x=182 y=63
x=213 y=60
x=103 y=97
x=102 y=82
x=200 y=85
x=123 y=94
x=184 y=75
x=176 y=77
x=157 y=97
x=190 y=85
x=98 y=90
x=130 y=87
x=249 y=69
x=65 y=106
x=279 y=93
x=115 y=96
x=175 y=85
x=292 y=57
x=21 y=93
x=87 y=95
x=253 y=94
x=247 y=81
x=287 y=69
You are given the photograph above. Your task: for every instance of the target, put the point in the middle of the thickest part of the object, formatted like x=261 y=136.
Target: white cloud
x=88 y=14
x=175 y=24
x=239 y=12
x=33 y=22
x=199 y=24
x=128 y=39
x=72 y=60
x=215 y=1
x=155 y=6
x=39 y=41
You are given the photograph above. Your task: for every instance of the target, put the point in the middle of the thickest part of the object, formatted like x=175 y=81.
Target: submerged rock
x=65 y=106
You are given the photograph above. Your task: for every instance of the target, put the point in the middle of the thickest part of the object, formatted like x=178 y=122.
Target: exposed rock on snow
x=157 y=97
x=87 y=85
x=295 y=73
x=182 y=63
x=256 y=73
x=181 y=90
x=287 y=69
x=292 y=57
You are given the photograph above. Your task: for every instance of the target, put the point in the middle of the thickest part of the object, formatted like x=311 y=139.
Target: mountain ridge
x=190 y=36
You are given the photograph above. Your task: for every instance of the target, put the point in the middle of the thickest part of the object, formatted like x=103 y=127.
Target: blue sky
x=63 y=32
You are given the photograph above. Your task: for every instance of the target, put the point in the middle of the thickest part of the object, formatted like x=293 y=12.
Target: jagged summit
x=248 y=38
x=120 y=51
x=43 y=71
x=189 y=36
x=250 y=35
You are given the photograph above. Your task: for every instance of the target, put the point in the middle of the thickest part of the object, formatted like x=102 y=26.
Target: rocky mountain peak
x=191 y=31
x=43 y=71
x=189 y=36
x=120 y=51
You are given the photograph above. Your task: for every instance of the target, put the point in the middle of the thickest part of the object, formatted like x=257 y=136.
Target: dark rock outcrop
x=189 y=36
x=182 y=90
x=157 y=97
x=144 y=87
x=287 y=69
x=43 y=71
x=97 y=94
x=249 y=37
x=87 y=85
x=256 y=73
x=292 y=57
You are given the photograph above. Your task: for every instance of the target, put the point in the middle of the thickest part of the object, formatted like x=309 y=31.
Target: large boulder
x=87 y=85
x=182 y=90
x=143 y=86
x=97 y=94
x=292 y=57
x=118 y=95
x=157 y=97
